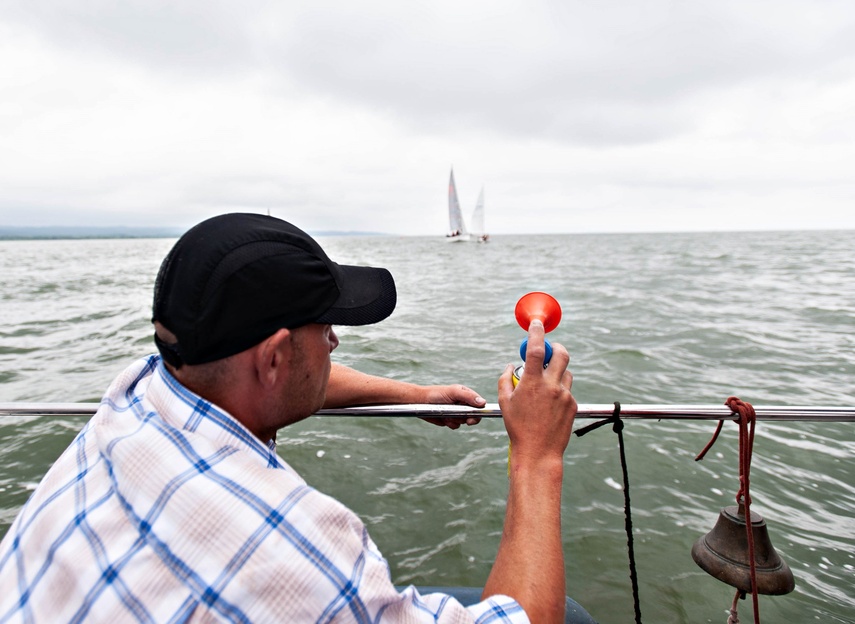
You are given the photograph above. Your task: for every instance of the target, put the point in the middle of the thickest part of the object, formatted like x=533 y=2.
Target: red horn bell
x=538 y=305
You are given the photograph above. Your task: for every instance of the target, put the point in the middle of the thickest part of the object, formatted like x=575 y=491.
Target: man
x=172 y=505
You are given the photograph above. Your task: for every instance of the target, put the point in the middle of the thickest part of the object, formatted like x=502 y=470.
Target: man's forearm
x=529 y=566
x=348 y=387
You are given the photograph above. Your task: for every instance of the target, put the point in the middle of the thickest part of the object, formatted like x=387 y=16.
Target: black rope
x=617 y=427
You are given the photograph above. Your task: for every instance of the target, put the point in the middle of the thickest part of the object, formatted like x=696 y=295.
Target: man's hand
x=539 y=413
x=453 y=395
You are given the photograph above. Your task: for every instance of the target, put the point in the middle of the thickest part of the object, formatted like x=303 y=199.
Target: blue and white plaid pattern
x=166 y=509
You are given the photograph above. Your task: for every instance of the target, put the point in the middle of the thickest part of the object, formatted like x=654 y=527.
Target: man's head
x=234 y=280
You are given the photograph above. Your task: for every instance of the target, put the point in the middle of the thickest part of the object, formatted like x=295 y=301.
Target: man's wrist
x=544 y=468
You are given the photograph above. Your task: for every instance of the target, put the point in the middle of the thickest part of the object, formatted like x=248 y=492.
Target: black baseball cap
x=234 y=280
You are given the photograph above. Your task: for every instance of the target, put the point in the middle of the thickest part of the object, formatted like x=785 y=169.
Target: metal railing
x=491 y=410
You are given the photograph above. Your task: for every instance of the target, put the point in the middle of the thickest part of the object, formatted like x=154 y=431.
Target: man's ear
x=272 y=356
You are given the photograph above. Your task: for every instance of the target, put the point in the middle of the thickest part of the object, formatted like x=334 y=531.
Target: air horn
x=536 y=306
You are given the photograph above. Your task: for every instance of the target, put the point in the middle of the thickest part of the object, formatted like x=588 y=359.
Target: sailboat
x=457 y=228
x=478 y=230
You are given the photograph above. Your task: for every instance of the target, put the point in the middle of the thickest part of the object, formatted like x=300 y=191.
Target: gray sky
x=575 y=116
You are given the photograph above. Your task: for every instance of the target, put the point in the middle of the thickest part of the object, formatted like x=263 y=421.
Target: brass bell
x=723 y=553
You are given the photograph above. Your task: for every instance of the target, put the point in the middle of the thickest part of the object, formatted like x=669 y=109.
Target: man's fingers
x=535 y=351
x=567 y=380
x=506 y=384
x=558 y=363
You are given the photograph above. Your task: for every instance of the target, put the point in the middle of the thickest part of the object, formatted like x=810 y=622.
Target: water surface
x=648 y=318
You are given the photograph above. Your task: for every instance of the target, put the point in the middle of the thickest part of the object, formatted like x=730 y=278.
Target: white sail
x=456 y=225
x=479 y=231
x=478 y=215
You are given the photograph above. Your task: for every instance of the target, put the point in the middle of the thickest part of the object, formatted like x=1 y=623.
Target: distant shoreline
x=117 y=232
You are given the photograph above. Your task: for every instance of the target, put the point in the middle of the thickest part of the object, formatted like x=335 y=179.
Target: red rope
x=711 y=442
x=747 y=420
x=747 y=424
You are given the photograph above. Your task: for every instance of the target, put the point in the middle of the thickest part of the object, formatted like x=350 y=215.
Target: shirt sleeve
x=495 y=609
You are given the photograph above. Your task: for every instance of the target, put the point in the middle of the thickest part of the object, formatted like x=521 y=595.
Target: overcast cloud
x=576 y=116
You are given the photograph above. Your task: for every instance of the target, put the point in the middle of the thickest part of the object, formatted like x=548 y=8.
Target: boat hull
x=458 y=238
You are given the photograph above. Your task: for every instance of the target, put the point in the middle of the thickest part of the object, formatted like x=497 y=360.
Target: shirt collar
x=184 y=409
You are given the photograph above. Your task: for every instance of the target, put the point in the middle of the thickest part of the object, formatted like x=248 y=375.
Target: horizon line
x=84 y=232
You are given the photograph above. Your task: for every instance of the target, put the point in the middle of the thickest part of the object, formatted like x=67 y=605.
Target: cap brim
x=367 y=295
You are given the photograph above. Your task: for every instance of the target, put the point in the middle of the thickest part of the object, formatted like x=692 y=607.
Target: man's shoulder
x=130 y=385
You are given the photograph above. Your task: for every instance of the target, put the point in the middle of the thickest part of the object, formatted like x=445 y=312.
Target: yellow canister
x=515 y=378
x=518 y=371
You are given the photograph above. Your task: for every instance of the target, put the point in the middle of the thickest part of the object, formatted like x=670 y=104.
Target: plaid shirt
x=166 y=509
